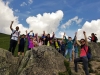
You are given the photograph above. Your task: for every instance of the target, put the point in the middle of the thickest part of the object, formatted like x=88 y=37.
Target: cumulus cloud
x=69 y=22
x=6 y=16
x=48 y=22
x=23 y=4
x=90 y=27
x=30 y=1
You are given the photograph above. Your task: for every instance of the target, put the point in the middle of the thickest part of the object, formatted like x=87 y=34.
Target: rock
x=8 y=63
x=44 y=60
x=95 y=49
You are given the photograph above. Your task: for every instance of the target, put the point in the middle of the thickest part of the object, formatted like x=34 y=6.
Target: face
x=48 y=36
x=70 y=39
x=23 y=36
x=82 y=42
x=17 y=28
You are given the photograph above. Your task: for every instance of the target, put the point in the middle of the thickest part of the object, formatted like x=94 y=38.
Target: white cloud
x=48 y=22
x=69 y=22
x=90 y=27
x=30 y=1
x=6 y=16
x=23 y=4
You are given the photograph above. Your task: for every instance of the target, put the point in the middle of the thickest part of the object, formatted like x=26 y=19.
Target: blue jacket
x=69 y=43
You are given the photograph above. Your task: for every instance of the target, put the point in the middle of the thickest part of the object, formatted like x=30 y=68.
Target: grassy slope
x=5 y=41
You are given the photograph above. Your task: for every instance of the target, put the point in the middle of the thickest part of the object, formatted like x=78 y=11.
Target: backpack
x=89 y=54
x=13 y=33
x=95 y=38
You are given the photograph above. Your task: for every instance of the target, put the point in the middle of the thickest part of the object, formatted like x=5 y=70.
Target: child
x=21 y=45
x=30 y=40
x=40 y=42
x=69 y=43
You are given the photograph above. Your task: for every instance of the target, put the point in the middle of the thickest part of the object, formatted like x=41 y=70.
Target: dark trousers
x=12 y=47
x=85 y=64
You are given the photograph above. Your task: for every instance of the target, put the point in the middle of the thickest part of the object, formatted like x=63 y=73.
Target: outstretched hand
x=64 y=33
x=31 y=31
x=12 y=22
x=75 y=33
x=84 y=32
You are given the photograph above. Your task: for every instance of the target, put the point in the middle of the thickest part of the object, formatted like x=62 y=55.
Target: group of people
x=64 y=46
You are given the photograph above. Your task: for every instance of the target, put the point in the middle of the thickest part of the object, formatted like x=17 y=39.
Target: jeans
x=69 y=51
x=76 y=55
x=85 y=64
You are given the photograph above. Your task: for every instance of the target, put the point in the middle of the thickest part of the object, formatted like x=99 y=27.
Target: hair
x=69 y=37
x=82 y=39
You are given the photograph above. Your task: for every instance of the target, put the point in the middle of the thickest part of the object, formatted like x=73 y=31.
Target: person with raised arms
x=14 y=38
x=83 y=54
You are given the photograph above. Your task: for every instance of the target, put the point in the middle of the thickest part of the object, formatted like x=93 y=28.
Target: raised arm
x=53 y=35
x=11 y=25
x=77 y=40
x=85 y=37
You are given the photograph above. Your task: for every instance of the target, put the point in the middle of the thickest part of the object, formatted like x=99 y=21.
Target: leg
x=66 y=52
x=75 y=63
x=22 y=50
x=70 y=54
x=85 y=65
x=11 y=45
x=19 y=49
x=14 y=46
x=73 y=55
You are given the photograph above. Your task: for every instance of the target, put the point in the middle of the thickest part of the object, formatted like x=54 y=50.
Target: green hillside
x=5 y=41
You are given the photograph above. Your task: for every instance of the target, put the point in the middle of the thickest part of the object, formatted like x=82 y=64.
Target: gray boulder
x=44 y=60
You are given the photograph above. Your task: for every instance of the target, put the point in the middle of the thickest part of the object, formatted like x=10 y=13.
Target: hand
x=26 y=31
x=12 y=22
x=84 y=32
x=75 y=33
x=64 y=34
x=31 y=31
x=53 y=33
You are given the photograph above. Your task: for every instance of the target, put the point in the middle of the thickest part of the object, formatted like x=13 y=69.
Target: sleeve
x=33 y=35
x=13 y=30
x=74 y=39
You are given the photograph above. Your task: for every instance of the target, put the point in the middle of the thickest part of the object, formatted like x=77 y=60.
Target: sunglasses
x=82 y=41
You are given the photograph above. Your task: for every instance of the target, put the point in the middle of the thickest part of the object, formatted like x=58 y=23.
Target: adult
x=43 y=38
x=93 y=38
x=57 y=44
x=48 y=39
x=83 y=54
x=14 y=38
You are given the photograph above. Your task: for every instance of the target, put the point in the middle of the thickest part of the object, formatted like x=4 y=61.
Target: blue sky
x=87 y=10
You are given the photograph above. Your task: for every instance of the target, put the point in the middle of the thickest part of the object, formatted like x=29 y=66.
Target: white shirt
x=15 y=35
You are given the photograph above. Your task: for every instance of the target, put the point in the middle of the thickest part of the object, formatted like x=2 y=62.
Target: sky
x=57 y=16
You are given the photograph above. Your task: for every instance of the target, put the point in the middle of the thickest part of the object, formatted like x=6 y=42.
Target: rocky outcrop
x=94 y=64
x=42 y=60
x=95 y=49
